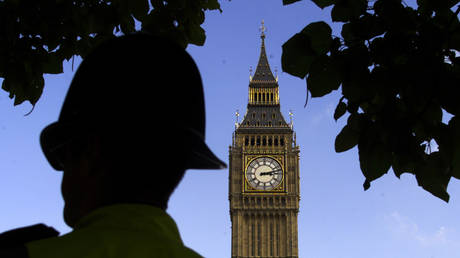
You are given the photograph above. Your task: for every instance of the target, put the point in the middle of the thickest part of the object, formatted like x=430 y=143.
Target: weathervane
x=276 y=73
x=263 y=29
x=237 y=114
x=290 y=118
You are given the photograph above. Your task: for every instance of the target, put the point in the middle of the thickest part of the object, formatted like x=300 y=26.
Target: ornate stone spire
x=263 y=98
x=263 y=73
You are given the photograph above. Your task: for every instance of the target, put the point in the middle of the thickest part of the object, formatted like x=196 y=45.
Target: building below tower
x=264 y=177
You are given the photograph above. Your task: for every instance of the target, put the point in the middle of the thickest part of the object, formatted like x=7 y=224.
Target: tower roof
x=264 y=117
x=263 y=76
x=263 y=107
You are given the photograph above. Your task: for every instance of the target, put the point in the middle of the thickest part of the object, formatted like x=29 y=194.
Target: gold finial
x=237 y=123
x=290 y=118
x=263 y=29
x=276 y=73
x=250 y=73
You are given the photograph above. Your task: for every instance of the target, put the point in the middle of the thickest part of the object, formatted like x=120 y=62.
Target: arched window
x=278 y=238
x=259 y=240
x=253 y=246
x=271 y=238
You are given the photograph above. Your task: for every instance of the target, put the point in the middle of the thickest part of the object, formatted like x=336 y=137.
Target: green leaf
x=454 y=40
x=402 y=163
x=29 y=88
x=347 y=33
x=432 y=114
x=374 y=159
x=340 y=110
x=432 y=176
x=365 y=28
x=34 y=91
x=426 y=6
x=367 y=184
x=346 y=139
x=355 y=90
x=196 y=34
x=397 y=170
x=357 y=122
x=456 y=162
x=454 y=139
x=324 y=77
x=213 y=5
x=127 y=25
x=52 y=65
x=66 y=51
x=287 y=2
x=340 y=13
x=159 y=22
x=323 y=3
x=297 y=55
x=19 y=94
x=6 y=86
x=140 y=8
x=197 y=17
x=347 y=10
x=320 y=37
x=178 y=5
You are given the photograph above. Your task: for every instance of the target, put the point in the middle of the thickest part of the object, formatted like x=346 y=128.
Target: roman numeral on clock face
x=264 y=173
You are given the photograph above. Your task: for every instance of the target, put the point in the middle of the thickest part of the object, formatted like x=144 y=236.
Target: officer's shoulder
x=190 y=253
x=17 y=252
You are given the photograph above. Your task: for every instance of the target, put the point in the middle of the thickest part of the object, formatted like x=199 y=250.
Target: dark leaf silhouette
x=37 y=37
x=398 y=68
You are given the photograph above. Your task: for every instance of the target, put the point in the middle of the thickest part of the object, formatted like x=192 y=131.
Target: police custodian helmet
x=139 y=86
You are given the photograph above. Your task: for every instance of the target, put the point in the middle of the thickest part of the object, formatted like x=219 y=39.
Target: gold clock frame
x=248 y=189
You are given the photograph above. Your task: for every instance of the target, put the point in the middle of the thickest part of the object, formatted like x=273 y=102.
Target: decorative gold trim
x=248 y=189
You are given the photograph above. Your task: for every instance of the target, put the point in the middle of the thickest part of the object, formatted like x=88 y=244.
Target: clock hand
x=270 y=172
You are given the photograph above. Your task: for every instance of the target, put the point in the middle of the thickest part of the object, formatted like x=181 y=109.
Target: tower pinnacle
x=262 y=29
x=263 y=73
x=263 y=95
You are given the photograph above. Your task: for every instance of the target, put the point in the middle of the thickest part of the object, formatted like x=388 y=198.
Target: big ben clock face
x=264 y=173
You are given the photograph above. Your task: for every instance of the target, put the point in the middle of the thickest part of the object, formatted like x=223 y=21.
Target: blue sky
x=393 y=219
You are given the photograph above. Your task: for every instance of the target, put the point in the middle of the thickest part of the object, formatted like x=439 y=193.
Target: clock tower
x=264 y=182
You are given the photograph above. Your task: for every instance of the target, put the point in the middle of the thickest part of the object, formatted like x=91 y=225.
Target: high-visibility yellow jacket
x=117 y=231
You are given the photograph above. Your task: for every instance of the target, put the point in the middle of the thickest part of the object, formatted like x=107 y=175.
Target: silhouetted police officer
x=132 y=122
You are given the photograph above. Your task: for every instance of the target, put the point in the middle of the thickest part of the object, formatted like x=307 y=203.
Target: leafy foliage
x=37 y=36
x=398 y=70
x=397 y=67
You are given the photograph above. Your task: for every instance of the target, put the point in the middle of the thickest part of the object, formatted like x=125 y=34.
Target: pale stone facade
x=264 y=218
